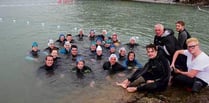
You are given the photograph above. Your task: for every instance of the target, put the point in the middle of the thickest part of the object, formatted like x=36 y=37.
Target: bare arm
x=192 y=73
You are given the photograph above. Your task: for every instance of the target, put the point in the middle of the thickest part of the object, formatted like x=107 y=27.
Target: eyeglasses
x=191 y=46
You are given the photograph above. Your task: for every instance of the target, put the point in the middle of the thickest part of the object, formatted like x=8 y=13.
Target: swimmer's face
x=49 y=61
x=54 y=53
x=112 y=50
x=35 y=48
x=74 y=51
x=62 y=38
x=132 y=41
x=69 y=38
x=112 y=60
x=99 y=52
x=80 y=65
x=114 y=38
x=122 y=52
x=93 y=47
x=131 y=56
x=52 y=45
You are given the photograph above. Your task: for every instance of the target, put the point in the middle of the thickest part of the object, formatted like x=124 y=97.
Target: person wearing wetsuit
x=61 y=40
x=183 y=35
x=156 y=73
x=51 y=45
x=92 y=35
x=67 y=48
x=35 y=51
x=112 y=65
x=48 y=67
x=131 y=62
x=81 y=68
x=122 y=54
x=132 y=44
x=166 y=41
x=81 y=35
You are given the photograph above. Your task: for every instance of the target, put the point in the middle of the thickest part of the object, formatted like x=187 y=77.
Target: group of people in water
x=171 y=60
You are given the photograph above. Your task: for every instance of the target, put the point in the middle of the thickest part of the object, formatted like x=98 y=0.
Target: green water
x=22 y=22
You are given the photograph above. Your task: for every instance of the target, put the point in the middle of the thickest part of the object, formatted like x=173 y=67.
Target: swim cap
x=67 y=43
x=34 y=44
x=122 y=48
x=50 y=42
x=112 y=46
x=113 y=56
x=61 y=35
x=99 y=48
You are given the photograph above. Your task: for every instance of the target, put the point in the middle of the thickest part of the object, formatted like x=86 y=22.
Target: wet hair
x=80 y=61
x=69 y=35
x=153 y=46
x=130 y=53
x=74 y=46
x=181 y=23
x=48 y=56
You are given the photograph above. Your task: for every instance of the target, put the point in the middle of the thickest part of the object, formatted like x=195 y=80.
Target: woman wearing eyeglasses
x=197 y=75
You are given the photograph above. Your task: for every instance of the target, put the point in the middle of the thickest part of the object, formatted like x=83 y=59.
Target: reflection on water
x=40 y=20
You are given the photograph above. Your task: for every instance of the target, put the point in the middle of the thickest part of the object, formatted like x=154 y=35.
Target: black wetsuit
x=49 y=50
x=35 y=54
x=48 y=70
x=80 y=72
x=132 y=46
x=169 y=41
x=121 y=58
x=80 y=37
x=157 y=69
x=61 y=43
x=113 y=68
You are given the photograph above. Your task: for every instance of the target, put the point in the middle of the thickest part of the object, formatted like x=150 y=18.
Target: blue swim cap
x=98 y=38
x=112 y=46
x=34 y=44
x=61 y=35
x=80 y=59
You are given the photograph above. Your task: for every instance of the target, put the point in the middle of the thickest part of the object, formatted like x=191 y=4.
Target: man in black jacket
x=156 y=73
x=166 y=41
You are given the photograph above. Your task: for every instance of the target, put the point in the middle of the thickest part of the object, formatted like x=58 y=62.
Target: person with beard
x=154 y=75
